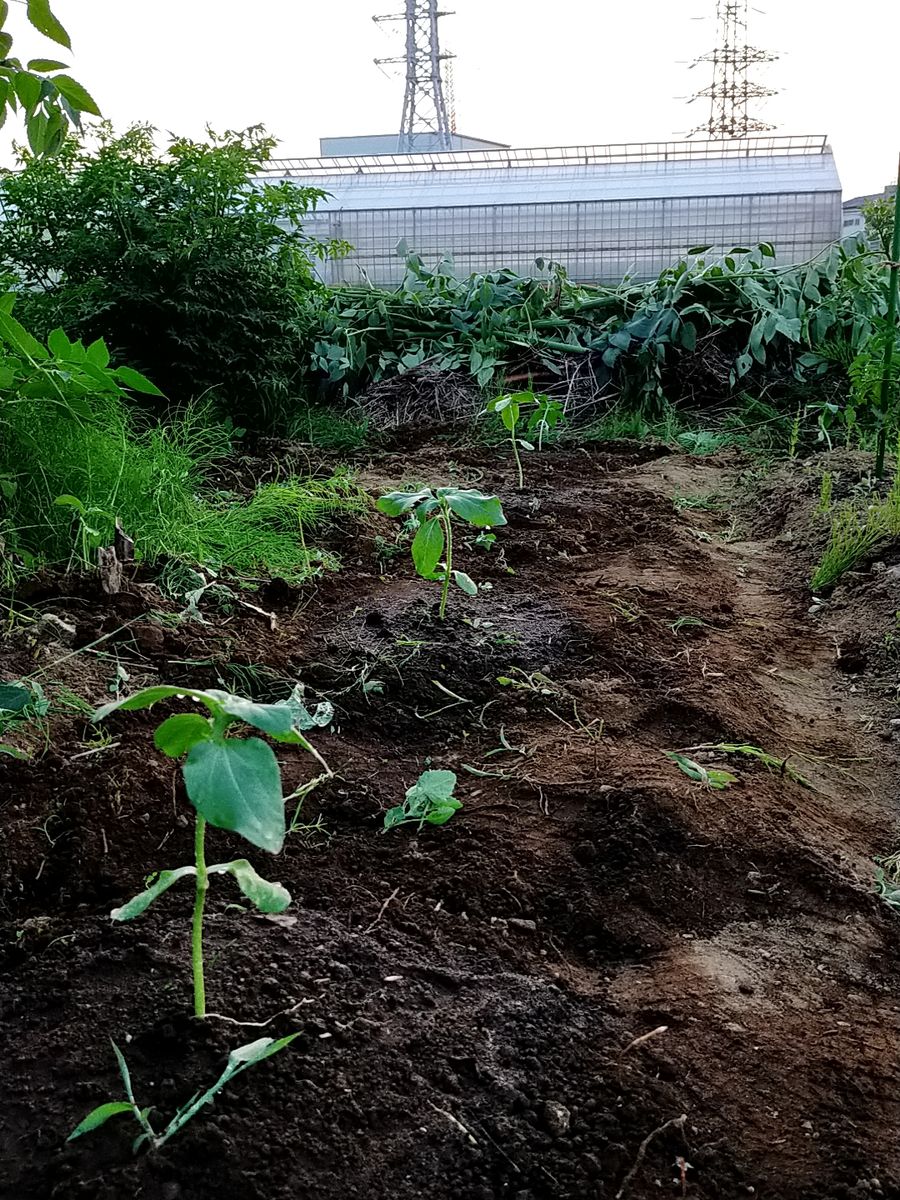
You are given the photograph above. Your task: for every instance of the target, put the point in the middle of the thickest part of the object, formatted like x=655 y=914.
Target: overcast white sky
x=527 y=73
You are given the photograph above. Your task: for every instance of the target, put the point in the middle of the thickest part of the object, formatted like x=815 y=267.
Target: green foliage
x=543 y=415
x=233 y=784
x=238 y=1061
x=184 y=267
x=432 y=546
x=825 y=490
x=879 y=218
x=738 y=315
x=430 y=801
x=49 y=101
x=855 y=533
x=69 y=473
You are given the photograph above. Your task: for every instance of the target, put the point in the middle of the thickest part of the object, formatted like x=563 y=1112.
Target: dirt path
x=469 y=997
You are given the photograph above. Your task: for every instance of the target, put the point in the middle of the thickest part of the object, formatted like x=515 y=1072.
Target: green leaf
x=59 y=344
x=14 y=697
x=43 y=20
x=68 y=501
x=465 y=582
x=767 y=250
x=20 y=339
x=475 y=507
x=177 y=734
x=262 y=1049
x=14 y=752
x=442 y=812
x=428 y=546
x=99 y=1116
x=27 y=88
x=152 y=695
x=46 y=64
x=5 y=47
x=36 y=129
x=394 y=816
x=395 y=504
x=97 y=353
x=80 y=99
x=274 y=719
x=141 y=902
x=268 y=897
x=432 y=786
x=137 y=382
x=236 y=785
x=302 y=717
x=4 y=12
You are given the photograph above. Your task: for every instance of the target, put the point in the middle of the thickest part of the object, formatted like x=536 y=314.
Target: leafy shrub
x=186 y=270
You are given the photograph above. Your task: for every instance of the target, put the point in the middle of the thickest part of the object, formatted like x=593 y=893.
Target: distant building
x=853 y=221
x=600 y=211
x=389 y=143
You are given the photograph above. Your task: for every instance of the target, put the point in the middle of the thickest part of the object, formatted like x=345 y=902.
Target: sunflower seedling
x=430 y=801
x=238 y=1060
x=432 y=547
x=233 y=784
x=541 y=414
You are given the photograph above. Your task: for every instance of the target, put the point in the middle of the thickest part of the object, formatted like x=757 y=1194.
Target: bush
x=186 y=270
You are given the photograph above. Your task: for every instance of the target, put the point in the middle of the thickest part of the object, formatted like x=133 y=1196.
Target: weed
x=707 y=501
x=825 y=491
x=432 y=547
x=238 y=1060
x=330 y=429
x=430 y=801
x=781 y=765
x=710 y=777
x=545 y=415
x=233 y=784
x=686 y=623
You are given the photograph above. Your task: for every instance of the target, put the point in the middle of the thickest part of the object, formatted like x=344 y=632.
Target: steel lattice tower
x=425 y=108
x=732 y=89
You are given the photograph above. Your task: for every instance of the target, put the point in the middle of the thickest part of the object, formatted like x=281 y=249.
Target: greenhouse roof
x=569 y=174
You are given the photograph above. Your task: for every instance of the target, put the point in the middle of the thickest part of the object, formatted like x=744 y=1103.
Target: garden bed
x=596 y=945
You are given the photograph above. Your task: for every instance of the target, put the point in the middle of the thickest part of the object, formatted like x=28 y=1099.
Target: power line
x=732 y=89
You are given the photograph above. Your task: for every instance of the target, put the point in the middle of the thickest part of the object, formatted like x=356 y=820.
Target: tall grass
x=153 y=477
x=856 y=532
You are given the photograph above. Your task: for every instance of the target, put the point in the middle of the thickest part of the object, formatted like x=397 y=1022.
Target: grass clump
x=67 y=480
x=854 y=533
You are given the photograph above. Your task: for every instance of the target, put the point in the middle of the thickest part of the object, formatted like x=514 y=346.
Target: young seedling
x=430 y=801
x=238 y=1060
x=711 y=777
x=233 y=784
x=432 y=547
x=543 y=415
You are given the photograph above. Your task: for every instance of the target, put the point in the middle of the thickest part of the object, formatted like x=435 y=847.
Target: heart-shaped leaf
x=475 y=507
x=177 y=734
x=274 y=719
x=236 y=785
x=268 y=897
x=142 y=901
x=395 y=504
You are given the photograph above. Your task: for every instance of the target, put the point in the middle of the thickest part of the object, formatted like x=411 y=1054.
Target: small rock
x=521 y=923
x=557 y=1117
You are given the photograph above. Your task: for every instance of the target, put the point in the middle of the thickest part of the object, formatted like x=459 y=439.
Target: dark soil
x=596 y=945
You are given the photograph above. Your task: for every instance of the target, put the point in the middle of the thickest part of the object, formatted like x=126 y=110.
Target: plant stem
x=197 y=931
x=515 y=447
x=448 y=539
x=886 y=381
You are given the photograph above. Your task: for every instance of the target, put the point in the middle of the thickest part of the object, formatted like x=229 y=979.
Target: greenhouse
x=600 y=211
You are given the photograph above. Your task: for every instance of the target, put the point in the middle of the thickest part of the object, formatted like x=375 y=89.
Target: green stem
x=197 y=932
x=893 y=286
x=448 y=538
x=515 y=447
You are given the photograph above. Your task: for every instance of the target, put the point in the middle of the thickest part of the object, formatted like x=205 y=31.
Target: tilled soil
x=526 y=1002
